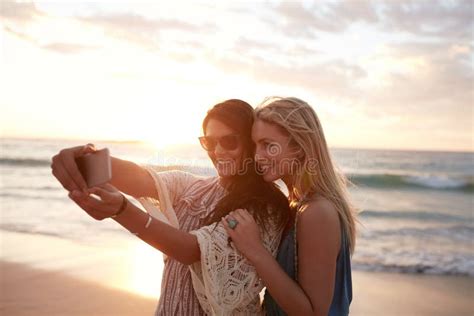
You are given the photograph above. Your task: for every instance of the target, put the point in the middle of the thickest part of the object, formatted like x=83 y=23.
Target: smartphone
x=96 y=167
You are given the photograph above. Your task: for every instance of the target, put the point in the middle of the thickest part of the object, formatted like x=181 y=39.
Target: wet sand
x=43 y=275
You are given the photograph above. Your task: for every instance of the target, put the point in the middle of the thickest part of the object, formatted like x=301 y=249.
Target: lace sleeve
x=225 y=282
x=170 y=186
x=174 y=183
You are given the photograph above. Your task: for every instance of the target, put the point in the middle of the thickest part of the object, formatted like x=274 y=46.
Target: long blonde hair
x=315 y=174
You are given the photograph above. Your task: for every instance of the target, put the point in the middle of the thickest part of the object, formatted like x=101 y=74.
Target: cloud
x=430 y=18
x=58 y=47
x=432 y=82
x=67 y=48
x=244 y=43
x=136 y=23
x=288 y=50
x=333 y=79
x=299 y=20
x=21 y=35
x=20 y=11
x=435 y=96
x=129 y=27
x=140 y=30
x=443 y=76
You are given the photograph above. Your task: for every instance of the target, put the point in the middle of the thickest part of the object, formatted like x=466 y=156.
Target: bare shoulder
x=319 y=212
x=319 y=229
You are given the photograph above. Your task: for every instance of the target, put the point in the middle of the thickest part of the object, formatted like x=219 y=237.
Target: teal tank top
x=342 y=296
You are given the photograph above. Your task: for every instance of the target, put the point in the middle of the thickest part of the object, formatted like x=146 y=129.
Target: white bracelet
x=150 y=218
x=148 y=222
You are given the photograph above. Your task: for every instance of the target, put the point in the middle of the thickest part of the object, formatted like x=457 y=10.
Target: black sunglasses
x=228 y=142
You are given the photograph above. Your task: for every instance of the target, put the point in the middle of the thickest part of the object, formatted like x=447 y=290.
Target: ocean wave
x=463 y=268
x=379 y=180
x=35 y=162
x=26 y=229
x=413 y=215
x=437 y=182
x=452 y=233
x=26 y=162
x=430 y=258
x=20 y=196
x=77 y=234
x=39 y=188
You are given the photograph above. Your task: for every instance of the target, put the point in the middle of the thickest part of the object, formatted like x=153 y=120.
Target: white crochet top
x=224 y=281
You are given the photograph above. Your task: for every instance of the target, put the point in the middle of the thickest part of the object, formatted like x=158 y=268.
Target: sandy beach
x=87 y=284
x=27 y=291
x=377 y=293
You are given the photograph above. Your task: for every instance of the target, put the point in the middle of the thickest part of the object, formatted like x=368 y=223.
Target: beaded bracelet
x=122 y=209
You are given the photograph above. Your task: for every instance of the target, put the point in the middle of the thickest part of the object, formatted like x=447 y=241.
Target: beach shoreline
x=34 y=283
x=27 y=290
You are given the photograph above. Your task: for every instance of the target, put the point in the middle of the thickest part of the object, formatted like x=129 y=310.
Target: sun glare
x=147 y=267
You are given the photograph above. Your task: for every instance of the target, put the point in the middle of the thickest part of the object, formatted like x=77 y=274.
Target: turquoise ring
x=232 y=223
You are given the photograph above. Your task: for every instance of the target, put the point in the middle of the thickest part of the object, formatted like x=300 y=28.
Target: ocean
x=416 y=208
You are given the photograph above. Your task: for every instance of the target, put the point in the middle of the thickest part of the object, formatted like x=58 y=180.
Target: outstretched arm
x=175 y=243
x=132 y=179
x=318 y=246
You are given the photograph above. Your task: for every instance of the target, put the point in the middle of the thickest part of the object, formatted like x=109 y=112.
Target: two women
x=312 y=273
x=203 y=274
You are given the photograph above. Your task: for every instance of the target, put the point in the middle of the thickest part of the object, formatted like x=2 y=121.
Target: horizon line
x=144 y=142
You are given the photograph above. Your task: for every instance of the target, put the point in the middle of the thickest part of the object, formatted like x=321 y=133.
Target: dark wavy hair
x=247 y=189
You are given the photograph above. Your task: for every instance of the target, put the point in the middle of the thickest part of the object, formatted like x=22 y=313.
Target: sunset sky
x=380 y=74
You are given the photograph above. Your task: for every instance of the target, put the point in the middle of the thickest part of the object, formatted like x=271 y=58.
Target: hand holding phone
x=96 y=167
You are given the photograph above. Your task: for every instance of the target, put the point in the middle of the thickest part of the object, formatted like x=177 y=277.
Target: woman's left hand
x=109 y=203
x=246 y=235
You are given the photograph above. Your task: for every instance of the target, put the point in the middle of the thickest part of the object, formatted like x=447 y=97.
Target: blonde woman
x=312 y=272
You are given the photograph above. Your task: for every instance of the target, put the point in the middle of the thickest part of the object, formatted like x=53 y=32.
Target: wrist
x=122 y=207
x=258 y=255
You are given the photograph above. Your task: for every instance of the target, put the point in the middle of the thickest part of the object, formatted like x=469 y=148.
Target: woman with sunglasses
x=312 y=272
x=203 y=273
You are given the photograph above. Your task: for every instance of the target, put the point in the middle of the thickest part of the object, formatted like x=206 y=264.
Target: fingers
x=98 y=215
x=62 y=176
x=102 y=193
x=108 y=187
x=70 y=165
x=229 y=230
x=225 y=224
x=240 y=215
x=65 y=169
x=244 y=214
x=105 y=195
x=87 y=149
x=92 y=203
x=97 y=204
x=78 y=195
